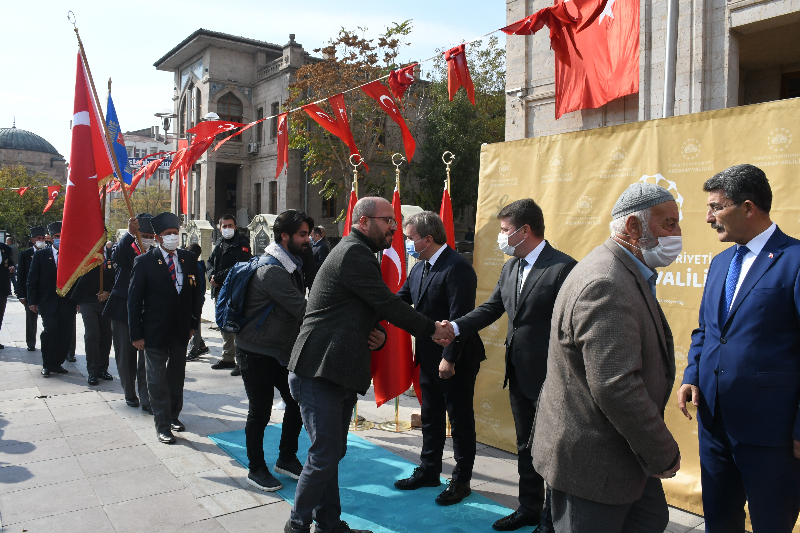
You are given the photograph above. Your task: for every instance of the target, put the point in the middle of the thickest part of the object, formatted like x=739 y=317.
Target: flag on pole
x=83 y=229
x=393 y=367
x=348 y=221
x=446 y=214
x=52 y=194
x=283 y=144
x=400 y=80
x=118 y=143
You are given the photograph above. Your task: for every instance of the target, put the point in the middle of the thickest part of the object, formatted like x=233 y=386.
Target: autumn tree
x=150 y=199
x=19 y=213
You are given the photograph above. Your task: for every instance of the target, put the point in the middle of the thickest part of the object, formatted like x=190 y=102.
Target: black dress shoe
x=46 y=372
x=177 y=425
x=344 y=528
x=132 y=403
x=219 y=365
x=30 y=349
x=106 y=376
x=418 y=479
x=166 y=437
x=192 y=356
x=59 y=370
x=2 y=347
x=72 y=358
x=543 y=529
x=147 y=408
x=236 y=371
x=93 y=380
x=515 y=521
x=454 y=493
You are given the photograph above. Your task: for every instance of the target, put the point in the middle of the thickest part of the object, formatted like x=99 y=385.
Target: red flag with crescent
x=446 y=214
x=211 y=128
x=223 y=141
x=52 y=194
x=283 y=144
x=400 y=80
x=22 y=190
x=348 y=221
x=378 y=92
x=336 y=124
x=458 y=72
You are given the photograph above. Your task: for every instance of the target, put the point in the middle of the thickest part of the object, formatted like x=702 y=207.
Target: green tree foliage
x=19 y=213
x=461 y=128
x=150 y=199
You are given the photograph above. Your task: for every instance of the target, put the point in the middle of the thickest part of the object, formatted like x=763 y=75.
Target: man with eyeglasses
x=743 y=374
x=330 y=362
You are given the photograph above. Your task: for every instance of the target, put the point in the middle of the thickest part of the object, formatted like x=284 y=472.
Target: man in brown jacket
x=600 y=440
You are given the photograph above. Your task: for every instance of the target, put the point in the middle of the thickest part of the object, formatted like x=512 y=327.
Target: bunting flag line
x=332 y=125
x=378 y=92
x=183 y=145
x=393 y=367
x=400 y=80
x=83 y=228
x=446 y=214
x=211 y=128
x=348 y=221
x=244 y=129
x=283 y=144
x=146 y=171
x=22 y=190
x=118 y=143
x=52 y=194
x=458 y=72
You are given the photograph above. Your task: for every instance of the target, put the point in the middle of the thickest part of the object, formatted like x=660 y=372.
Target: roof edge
x=216 y=35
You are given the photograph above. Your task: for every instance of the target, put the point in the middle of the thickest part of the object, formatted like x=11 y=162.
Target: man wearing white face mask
x=600 y=440
x=24 y=267
x=164 y=306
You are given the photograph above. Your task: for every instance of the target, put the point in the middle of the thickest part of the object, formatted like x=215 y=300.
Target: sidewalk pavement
x=76 y=458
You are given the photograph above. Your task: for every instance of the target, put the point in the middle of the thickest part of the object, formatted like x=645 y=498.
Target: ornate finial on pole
x=448 y=163
x=355 y=170
x=397 y=169
x=72 y=19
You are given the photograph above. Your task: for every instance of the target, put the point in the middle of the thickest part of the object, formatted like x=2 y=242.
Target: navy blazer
x=6 y=262
x=41 y=285
x=122 y=254
x=448 y=293
x=157 y=313
x=24 y=266
x=752 y=360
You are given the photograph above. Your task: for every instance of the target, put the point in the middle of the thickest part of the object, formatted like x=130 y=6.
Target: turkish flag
x=400 y=80
x=378 y=92
x=458 y=72
x=609 y=40
x=348 y=221
x=22 y=190
x=52 y=194
x=338 y=124
x=247 y=127
x=190 y=157
x=146 y=171
x=83 y=227
x=561 y=24
x=446 y=214
x=183 y=145
x=393 y=366
x=211 y=128
x=283 y=144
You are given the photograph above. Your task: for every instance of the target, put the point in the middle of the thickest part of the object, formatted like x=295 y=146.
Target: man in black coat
x=6 y=271
x=231 y=248
x=331 y=358
x=526 y=291
x=57 y=312
x=164 y=306
x=130 y=361
x=23 y=268
x=442 y=286
x=319 y=246
x=97 y=328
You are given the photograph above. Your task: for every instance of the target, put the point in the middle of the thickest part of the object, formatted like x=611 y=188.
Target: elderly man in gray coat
x=600 y=440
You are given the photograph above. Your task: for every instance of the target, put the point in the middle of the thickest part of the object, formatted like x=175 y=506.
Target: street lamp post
x=165 y=115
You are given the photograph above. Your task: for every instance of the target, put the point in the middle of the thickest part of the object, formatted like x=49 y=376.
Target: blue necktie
x=733 y=278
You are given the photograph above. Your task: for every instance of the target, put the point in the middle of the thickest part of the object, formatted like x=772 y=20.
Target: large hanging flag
x=378 y=92
x=348 y=220
x=52 y=194
x=400 y=80
x=446 y=214
x=283 y=144
x=561 y=25
x=393 y=367
x=117 y=143
x=337 y=125
x=458 y=72
x=83 y=229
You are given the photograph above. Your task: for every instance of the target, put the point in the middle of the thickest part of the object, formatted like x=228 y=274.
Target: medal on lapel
x=159 y=262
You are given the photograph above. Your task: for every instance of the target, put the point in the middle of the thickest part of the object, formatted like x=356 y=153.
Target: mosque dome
x=16 y=139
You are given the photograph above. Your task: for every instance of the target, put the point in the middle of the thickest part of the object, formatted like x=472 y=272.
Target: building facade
x=729 y=53
x=32 y=152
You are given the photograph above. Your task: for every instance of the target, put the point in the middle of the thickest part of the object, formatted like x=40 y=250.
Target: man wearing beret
x=164 y=305
x=57 y=312
x=600 y=440
x=24 y=266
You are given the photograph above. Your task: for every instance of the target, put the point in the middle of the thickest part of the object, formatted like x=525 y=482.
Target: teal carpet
x=369 y=499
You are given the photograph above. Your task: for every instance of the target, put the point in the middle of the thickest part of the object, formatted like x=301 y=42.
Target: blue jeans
x=327 y=409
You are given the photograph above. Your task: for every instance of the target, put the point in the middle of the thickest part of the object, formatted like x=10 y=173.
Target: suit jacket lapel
x=437 y=266
x=538 y=268
x=163 y=266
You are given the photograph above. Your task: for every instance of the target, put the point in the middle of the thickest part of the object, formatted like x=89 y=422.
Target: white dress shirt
x=435 y=256
x=755 y=246
x=177 y=263
x=55 y=254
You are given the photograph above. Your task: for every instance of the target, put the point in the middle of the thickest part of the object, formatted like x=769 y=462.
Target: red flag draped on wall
x=283 y=144
x=348 y=221
x=378 y=92
x=338 y=124
x=52 y=194
x=83 y=229
x=400 y=80
x=458 y=72
x=446 y=214
x=393 y=366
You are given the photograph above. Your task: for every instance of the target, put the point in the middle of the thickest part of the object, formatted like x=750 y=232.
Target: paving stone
x=119 y=460
x=131 y=484
x=253 y=520
x=86 y=410
x=103 y=440
x=162 y=512
x=95 y=424
x=14 y=477
x=92 y=520
x=28 y=418
x=40 y=502
x=33 y=433
x=209 y=482
x=189 y=464
x=17 y=393
x=30 y=452
x=228 y=502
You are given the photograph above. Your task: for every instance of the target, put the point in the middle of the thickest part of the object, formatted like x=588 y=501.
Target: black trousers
x=262 y=373
x=58 y=332
x=3 y=302
x=96 y=338
x=453 y=395
x=166 y=370
x=130 y=364
x=31 y=325
x=531 y=484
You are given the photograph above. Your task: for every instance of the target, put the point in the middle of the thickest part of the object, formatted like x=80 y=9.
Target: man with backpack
x=231 y=248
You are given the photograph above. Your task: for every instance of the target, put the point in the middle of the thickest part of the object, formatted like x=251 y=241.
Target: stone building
x=729 y=53
x=32 y=152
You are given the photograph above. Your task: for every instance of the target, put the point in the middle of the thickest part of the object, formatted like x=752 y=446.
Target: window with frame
x=273 y=197
x=230 y=108
x=257 y=195
x=329 y=207
x=790 y=85
x=274 y=110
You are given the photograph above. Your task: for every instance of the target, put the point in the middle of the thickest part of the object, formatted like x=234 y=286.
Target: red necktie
x=172 y=273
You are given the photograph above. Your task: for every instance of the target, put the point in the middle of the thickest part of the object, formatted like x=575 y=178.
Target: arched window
x=230 y=108
x=182 y=118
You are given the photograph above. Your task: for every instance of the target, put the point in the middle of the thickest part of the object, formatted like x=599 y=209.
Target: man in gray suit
x=600 y=440
x=330 y=362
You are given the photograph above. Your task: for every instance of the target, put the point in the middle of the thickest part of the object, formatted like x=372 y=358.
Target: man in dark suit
x=526 y=291
x=6 y=271
x=442 y=286
x=130 y=361
x=743 y=373
x=96 y=327
x=57 y=312
x=319 y=246
x=164 y=305
x=25 y=259
x=330 y=361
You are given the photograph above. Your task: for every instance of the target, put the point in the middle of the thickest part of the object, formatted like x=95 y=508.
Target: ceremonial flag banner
x=348 y=221
x=83 y=229
x=458 y=72
x=378 y=92
x=244 y=129
x=446 y=214
x=400 y=80
x=52 y=194
x=337 y=126
x=283 y=144
x=117 y=142
x=393 y=366
x=183 y=145
x=22 y=190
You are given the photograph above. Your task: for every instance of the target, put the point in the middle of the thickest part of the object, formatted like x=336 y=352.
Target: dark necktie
x=426 y=269
x=172 y=272
x=520 y=270
x=734 y=270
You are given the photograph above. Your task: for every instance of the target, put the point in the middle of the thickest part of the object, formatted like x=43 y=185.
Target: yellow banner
x=576 y=178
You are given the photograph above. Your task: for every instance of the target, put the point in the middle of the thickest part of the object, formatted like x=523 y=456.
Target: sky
x=123 y=40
